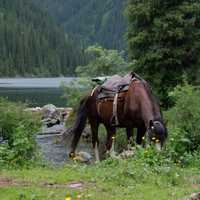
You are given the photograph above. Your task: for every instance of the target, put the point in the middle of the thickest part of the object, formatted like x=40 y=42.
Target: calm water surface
x=34 y=91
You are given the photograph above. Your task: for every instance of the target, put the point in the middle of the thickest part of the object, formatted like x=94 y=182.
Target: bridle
x=152 y=128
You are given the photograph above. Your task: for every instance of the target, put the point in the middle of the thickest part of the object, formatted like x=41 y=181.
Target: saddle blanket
x=115 y=84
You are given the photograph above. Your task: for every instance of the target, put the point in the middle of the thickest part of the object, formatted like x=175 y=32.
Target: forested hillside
x=32 y=44
x=91 y=21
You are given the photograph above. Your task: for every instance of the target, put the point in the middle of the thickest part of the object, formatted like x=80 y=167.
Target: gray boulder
x=50 y=115
x=193 y=196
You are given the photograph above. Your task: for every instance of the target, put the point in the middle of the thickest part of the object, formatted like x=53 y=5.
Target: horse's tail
x=80 y=122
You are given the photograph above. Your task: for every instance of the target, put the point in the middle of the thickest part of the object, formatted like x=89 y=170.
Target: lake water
x=34 y=91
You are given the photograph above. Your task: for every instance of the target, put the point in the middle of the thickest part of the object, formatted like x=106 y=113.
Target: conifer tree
x=164 y=40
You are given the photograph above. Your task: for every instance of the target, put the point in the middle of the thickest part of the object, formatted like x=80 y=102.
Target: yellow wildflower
x=143 y=137
x=68 y=198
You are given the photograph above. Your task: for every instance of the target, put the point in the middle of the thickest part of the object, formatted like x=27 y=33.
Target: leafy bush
x=184 y=121
x=103 y=62
x=18 y=128
x=77 y=89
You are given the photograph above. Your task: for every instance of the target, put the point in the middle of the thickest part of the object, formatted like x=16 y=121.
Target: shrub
x=184 y=120
x=77 y=89
x=18 y=127
x=103 y=62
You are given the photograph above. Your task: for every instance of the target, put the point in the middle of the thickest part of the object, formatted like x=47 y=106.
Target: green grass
x=111 y=179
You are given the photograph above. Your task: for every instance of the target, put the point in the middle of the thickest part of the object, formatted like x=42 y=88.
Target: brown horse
x=137 y=108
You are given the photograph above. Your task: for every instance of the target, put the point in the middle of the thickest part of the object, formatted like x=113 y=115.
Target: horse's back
x=116 y=82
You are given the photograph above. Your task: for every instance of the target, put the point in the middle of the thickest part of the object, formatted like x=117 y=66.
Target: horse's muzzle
x=157 y=143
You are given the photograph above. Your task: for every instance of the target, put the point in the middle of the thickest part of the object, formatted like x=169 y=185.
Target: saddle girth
x=115 y=115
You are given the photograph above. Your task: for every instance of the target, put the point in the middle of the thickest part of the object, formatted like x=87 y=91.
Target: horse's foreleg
x=140 y=134
x=95 y=139
x=129 y=134
x=110 y=144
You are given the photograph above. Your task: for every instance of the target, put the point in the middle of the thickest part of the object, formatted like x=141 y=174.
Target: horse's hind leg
x=129 y=134
x=110 y=144
x=95 y=140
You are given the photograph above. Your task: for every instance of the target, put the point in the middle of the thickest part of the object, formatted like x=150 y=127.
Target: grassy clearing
x=110 y=179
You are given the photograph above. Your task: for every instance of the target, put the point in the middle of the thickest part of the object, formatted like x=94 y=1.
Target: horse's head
x=157 y=133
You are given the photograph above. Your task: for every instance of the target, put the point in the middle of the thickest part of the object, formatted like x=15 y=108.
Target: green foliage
x=163 y=38
x=184 y=121
x=18 y=127
x=128 y=179
x=90 y=21
x=103 y=62
x=77 y=89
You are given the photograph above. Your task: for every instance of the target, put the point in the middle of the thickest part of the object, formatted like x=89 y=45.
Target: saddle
x=115 y=84
x=111 y=89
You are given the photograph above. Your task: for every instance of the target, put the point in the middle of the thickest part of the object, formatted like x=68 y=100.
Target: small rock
x=76 y=185
x=193 y=196
x=50 y=115
x=127 y=153
x=83 y=157
x=50 y=111
x=50 y=122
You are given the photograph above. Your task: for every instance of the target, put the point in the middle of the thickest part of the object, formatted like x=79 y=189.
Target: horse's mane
x=154 y=100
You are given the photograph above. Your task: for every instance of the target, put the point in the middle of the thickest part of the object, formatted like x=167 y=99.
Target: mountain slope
x=91 y=21
x=31 y=43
